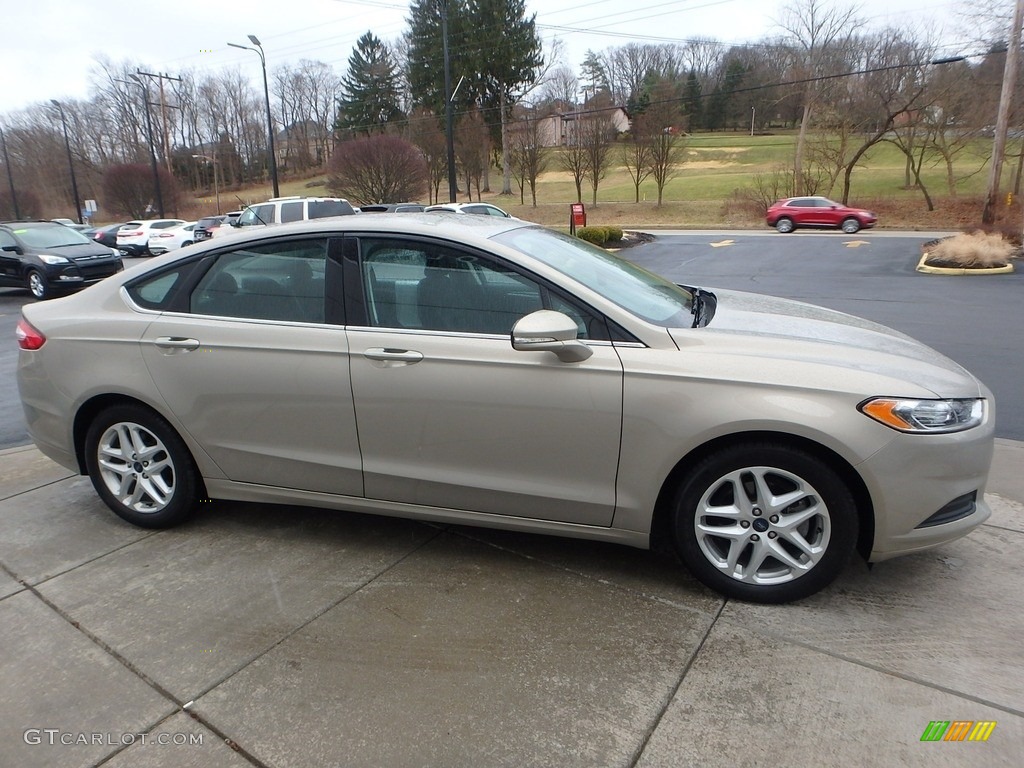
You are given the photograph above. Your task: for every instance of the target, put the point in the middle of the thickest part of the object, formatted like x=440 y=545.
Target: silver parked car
x=490 y=372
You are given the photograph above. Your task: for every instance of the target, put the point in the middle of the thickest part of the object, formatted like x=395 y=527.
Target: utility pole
x=988 y=216
x=160 y=76
x=10 y=176
x=71 y=163
x=136 y=80
x=448 y=98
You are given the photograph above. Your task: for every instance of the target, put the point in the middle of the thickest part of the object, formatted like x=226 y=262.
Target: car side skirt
x=232 y=491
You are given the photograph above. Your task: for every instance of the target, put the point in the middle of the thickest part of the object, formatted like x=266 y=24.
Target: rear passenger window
x=291 y=212
x=157 y=291
x=277 y=281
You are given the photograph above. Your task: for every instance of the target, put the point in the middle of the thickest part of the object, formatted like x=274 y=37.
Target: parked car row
x=46 y=274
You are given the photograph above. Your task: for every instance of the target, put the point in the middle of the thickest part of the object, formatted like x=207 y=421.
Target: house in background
x=559 y=128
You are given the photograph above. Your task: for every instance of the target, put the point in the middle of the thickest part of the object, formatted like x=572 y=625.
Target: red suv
x=787 y=215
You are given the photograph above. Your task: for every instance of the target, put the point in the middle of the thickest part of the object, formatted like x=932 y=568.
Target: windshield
x=51 y=237
x=642 y=293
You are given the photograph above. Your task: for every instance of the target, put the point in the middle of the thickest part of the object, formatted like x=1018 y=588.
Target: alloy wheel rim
x=136 y=467
x=36 y=285
x=762 y=526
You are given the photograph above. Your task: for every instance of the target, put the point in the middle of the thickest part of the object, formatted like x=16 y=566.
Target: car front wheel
x=37 y=285
x=784 y=225
x=140 y=467
x=850 y=226
x=764 y=522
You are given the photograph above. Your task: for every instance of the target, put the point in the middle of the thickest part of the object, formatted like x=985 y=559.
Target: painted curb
x=922 y=267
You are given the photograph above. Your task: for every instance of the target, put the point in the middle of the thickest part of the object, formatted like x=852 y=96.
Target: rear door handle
x=392 y=355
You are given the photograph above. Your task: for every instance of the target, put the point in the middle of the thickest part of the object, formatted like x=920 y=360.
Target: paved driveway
x=284 y=636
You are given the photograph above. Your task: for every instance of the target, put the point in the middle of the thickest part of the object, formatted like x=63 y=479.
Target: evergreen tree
x=593 y=76
x=491 y=44
x=370 y=90
x=693 y=102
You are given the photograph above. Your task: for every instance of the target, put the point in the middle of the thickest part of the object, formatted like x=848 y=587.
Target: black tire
x=784 y=225
x=37 y=285
x=749 y=551
x=850 y=226
x=134 y=491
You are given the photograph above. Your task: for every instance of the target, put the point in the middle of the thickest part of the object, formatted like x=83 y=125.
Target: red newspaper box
x=578 y=217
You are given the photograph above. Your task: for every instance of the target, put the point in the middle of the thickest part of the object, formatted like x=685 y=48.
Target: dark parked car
x=792 y=213
x=205 y=226
x=48 y=258
x=106 y=235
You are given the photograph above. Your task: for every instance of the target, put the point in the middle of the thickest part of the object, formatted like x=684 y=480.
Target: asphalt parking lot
x=283 y=636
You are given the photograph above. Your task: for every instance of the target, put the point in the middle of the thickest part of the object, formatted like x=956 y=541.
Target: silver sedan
x=490 y=372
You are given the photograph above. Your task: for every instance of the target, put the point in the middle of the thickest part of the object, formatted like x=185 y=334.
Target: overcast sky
x=50 y=46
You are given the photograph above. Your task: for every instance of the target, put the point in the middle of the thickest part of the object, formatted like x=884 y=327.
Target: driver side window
x=421 y=286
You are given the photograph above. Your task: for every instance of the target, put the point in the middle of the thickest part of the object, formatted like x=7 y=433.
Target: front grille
x=99 y=271
x=958 y=508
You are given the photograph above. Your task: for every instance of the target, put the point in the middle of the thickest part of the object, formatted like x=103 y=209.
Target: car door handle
x=176 y=342
x=392 y=355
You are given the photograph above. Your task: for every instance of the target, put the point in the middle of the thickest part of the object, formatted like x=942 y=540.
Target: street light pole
x=10 y=176
x=216 y=185
x=266 y=94
x=71 y=165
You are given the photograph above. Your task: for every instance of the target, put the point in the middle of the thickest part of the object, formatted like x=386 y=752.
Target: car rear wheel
x=850 y=226
x=784 y=225
x=764 y=522
x=140 y=467
x=37 y=285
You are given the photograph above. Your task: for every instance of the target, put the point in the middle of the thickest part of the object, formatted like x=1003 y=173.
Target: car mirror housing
x=550 y=331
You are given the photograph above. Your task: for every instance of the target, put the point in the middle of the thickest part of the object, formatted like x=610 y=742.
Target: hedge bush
x=595 y=235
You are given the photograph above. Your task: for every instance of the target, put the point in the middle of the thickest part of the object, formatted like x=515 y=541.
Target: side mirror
x=13 y=249
x=549 y=331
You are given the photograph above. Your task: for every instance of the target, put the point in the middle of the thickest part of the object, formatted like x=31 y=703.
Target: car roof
x=464 y=228
x=34 y=223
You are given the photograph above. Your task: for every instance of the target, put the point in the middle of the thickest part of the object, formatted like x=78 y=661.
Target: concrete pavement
x=283 y=636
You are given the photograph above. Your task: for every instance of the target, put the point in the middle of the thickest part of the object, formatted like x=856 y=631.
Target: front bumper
x=916 y=476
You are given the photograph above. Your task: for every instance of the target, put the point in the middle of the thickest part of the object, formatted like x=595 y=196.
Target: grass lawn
x=701 y=194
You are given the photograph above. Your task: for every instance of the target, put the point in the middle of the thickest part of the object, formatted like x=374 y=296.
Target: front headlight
x=925 y=416
x=46 y=258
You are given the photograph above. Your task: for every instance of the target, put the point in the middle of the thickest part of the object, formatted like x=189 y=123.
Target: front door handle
x=173 y=343
x=390 y=355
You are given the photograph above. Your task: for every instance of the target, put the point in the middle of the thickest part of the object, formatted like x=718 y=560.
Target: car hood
x=79 y=250
x=799 y=332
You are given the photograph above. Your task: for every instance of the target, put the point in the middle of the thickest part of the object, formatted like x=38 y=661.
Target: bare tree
x=636 y=157
x=817 y=32
x=573 y=158
x=527 y=156
x=377 y=169
x=425 y=132
x=658 y=128
x=128 y=189
x=597 y=134
x=472 y=142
